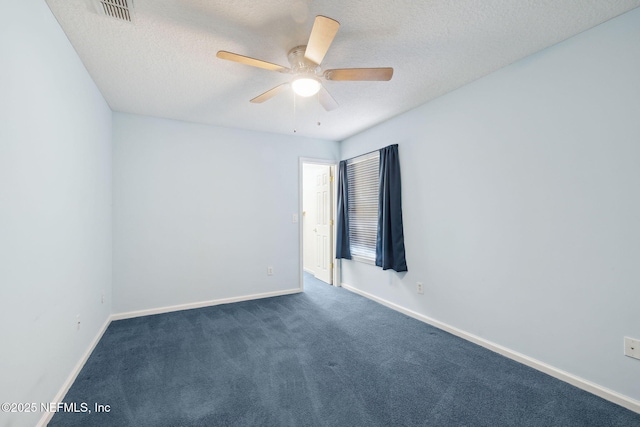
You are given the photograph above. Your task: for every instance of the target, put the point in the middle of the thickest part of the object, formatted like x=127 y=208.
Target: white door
x=322 y=227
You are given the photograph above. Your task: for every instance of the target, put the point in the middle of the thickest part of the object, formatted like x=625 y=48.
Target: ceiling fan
x=305 y=63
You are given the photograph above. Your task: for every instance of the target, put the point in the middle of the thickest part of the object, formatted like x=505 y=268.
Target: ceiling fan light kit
x=305 y=63
x=306 y=85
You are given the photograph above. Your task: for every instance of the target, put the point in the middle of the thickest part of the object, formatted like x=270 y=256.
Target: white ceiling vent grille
x=119 y=9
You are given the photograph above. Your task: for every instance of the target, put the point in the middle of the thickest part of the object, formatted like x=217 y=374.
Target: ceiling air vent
x=119 y=9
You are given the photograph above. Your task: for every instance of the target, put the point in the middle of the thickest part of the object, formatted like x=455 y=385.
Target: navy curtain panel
x=343 y=248
x=390 y=240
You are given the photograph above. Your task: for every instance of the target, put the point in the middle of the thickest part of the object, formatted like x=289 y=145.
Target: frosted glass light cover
x=305 y=86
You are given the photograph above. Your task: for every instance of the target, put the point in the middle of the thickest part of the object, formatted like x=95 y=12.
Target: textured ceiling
x=164 y=63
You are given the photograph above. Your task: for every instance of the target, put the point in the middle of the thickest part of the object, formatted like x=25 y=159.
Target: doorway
x=317 y=229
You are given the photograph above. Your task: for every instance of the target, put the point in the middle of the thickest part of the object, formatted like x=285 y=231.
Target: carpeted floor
x=326 y=357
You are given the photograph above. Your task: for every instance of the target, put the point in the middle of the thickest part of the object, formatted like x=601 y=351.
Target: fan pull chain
x=294 y=113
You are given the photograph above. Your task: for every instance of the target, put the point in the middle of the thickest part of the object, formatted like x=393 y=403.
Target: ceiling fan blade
x=359 y=74
x=326 y=100
x=269 y=94
x=322 y=34
x=223 y=54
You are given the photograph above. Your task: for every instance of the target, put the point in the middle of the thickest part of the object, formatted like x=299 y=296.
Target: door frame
x=334 y=207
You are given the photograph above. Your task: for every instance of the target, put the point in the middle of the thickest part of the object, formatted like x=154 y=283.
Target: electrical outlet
x=102 y=298
x=294 y=218
x=632 y=347
x=419 y=288
x=269 y=271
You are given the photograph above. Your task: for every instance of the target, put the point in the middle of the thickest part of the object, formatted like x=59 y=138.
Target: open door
x=317 y=217
x=322 y=229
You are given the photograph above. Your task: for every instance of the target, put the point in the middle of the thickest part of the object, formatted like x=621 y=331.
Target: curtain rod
x=365 y=154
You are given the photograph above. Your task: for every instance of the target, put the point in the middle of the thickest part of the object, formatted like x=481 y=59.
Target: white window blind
x=363 y=179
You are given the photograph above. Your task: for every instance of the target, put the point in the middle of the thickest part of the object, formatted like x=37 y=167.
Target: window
x=363 y=178
x=366 y=184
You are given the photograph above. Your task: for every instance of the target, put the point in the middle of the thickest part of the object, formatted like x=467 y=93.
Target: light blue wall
x=522 y=209
x=55 y=207
x=201 y=211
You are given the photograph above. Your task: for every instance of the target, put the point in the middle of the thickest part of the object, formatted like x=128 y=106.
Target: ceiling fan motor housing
x=300 y=64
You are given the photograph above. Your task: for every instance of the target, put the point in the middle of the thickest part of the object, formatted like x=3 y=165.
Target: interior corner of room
x=520 y=202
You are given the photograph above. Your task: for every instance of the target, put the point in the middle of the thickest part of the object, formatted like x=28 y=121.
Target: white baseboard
x=201 y=304
x=46 y=416
x=598 y=390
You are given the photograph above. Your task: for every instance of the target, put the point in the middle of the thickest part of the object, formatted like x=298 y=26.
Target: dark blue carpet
x=323 y=358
